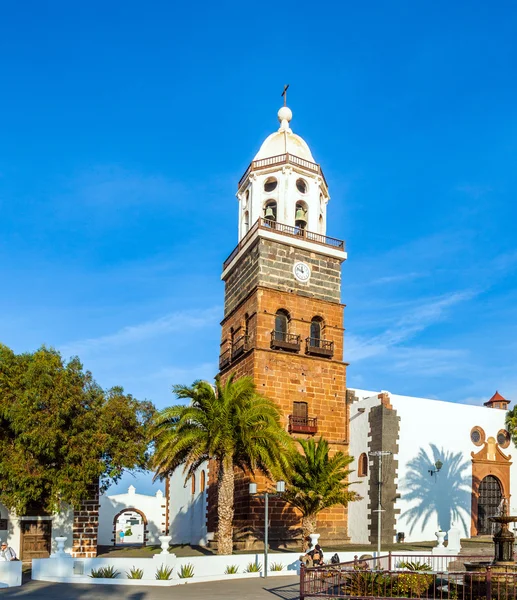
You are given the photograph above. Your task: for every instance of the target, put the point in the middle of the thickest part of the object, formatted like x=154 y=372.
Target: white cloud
x=131 y=334
x=405 y=327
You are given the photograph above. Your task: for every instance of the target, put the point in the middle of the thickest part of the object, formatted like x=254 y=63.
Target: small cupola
x=497 y=401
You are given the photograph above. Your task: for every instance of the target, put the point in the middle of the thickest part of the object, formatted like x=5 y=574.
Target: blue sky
x=126 y=126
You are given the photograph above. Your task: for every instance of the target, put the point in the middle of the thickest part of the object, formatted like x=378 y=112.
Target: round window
x=477 y=436
x=301 y=186
x=503 y=438
x=270 y=184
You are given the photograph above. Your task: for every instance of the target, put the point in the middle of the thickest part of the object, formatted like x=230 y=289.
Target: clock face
x=301 y=271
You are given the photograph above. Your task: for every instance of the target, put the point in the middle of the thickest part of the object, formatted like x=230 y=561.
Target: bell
x=269 y=213
x=300 y=218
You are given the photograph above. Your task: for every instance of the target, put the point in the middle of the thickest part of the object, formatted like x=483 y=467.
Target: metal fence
x=396 y=576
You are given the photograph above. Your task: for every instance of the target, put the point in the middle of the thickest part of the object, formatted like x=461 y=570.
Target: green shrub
x=276 y=567
x=104 y=573
x=231 y=570
x=186 y=571
x=412 y=584
x=135 y=573
x=253 y=568
x=414 y=566
x=164 y=572
x=367 y=583
x=128 y=531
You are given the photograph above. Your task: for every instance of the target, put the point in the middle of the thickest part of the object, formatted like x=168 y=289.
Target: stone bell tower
x=283 y=317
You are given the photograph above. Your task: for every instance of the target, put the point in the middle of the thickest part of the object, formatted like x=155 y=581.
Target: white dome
x=282 y=142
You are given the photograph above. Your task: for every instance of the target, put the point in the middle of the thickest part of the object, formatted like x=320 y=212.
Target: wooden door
x=36 y=539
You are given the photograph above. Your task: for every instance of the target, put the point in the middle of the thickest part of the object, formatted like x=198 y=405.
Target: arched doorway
x=130 y=527
x=489 y=502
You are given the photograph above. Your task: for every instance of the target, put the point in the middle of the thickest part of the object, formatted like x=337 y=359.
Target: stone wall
x=86 y=524
x=384 y=435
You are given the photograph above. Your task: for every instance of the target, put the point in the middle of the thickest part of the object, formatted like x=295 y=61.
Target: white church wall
x=431 y=430
x=187 y=508
x=359 y=430
x=153 y=507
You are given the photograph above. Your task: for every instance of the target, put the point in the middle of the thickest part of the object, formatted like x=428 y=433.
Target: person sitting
x=7 y=553
x=317 y=555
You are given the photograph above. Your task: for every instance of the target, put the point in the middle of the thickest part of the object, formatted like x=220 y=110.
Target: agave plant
x=164 y=573
x=104 y=573
x=186 y=571
x=231 y=570
x=253 y=568
x=276 y=567
x=135 y=573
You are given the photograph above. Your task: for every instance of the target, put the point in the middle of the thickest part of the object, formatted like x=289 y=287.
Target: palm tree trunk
x=225 y=509
x=308 y=527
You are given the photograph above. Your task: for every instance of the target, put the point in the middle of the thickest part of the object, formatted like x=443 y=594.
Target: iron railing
x=239 y=346
x=281 y=340
x=289 y=230
x=224 y=359
x=439 y=577
x=303 y=424
x=319 y=347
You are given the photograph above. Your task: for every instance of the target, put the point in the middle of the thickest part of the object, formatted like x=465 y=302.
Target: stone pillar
x=86 y=525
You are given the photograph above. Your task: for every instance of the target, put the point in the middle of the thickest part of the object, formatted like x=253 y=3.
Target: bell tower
x=283 y=317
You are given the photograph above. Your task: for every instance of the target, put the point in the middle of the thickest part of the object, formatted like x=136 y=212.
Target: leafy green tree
x=60 y=432
x=317 y=481
x=232 y=424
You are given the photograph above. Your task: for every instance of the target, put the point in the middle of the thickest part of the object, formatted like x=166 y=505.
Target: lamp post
x=379 y=454
x=280 y=488
x=437 y=467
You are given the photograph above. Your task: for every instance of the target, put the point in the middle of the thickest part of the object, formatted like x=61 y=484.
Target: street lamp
x=437 y=466
x=280 y=489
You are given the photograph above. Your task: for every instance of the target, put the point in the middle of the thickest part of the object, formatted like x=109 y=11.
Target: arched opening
x=270 y=184
x=321 y=226
x=489 y=502
x=362 y=465
x=316 y=332
x=281 y=325
x=202 y=482
x=270 y=210
x=245 y=222
x=301 y=186
x=130 y=528
x=193 y=484
x=301 y=215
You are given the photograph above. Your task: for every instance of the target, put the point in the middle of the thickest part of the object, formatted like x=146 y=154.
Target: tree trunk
x=225 y=510
x=308 y=527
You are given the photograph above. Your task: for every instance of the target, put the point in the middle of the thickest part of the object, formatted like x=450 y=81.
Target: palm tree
x=317 y=481
x=230 y=423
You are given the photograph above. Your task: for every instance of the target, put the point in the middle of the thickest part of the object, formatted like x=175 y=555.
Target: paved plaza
x=276 y=588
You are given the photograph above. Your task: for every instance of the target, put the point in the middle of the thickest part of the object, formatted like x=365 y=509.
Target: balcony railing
x=224 y=359
x=240 y=345
x=289 y=230
x=285 y=341
x=281 y=159
x=303 y=424
x=319 y=347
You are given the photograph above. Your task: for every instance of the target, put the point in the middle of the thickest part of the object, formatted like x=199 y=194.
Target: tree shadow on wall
x=446 y=494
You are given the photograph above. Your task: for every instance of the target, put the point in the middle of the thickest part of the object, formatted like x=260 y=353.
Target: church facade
x=432 y=464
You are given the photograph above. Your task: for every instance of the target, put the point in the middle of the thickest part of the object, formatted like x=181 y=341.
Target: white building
x=142 y=518
x=448 y=465
x=187 y=507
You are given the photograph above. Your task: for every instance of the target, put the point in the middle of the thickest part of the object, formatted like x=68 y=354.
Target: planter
x=60 y=541
x=165 y=540
x=440 y=536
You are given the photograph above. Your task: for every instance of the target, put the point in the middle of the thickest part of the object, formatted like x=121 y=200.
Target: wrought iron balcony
x=224 y=359
x=240 y=345
x=285 y=341
x=303 y=424
x=319 y=347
